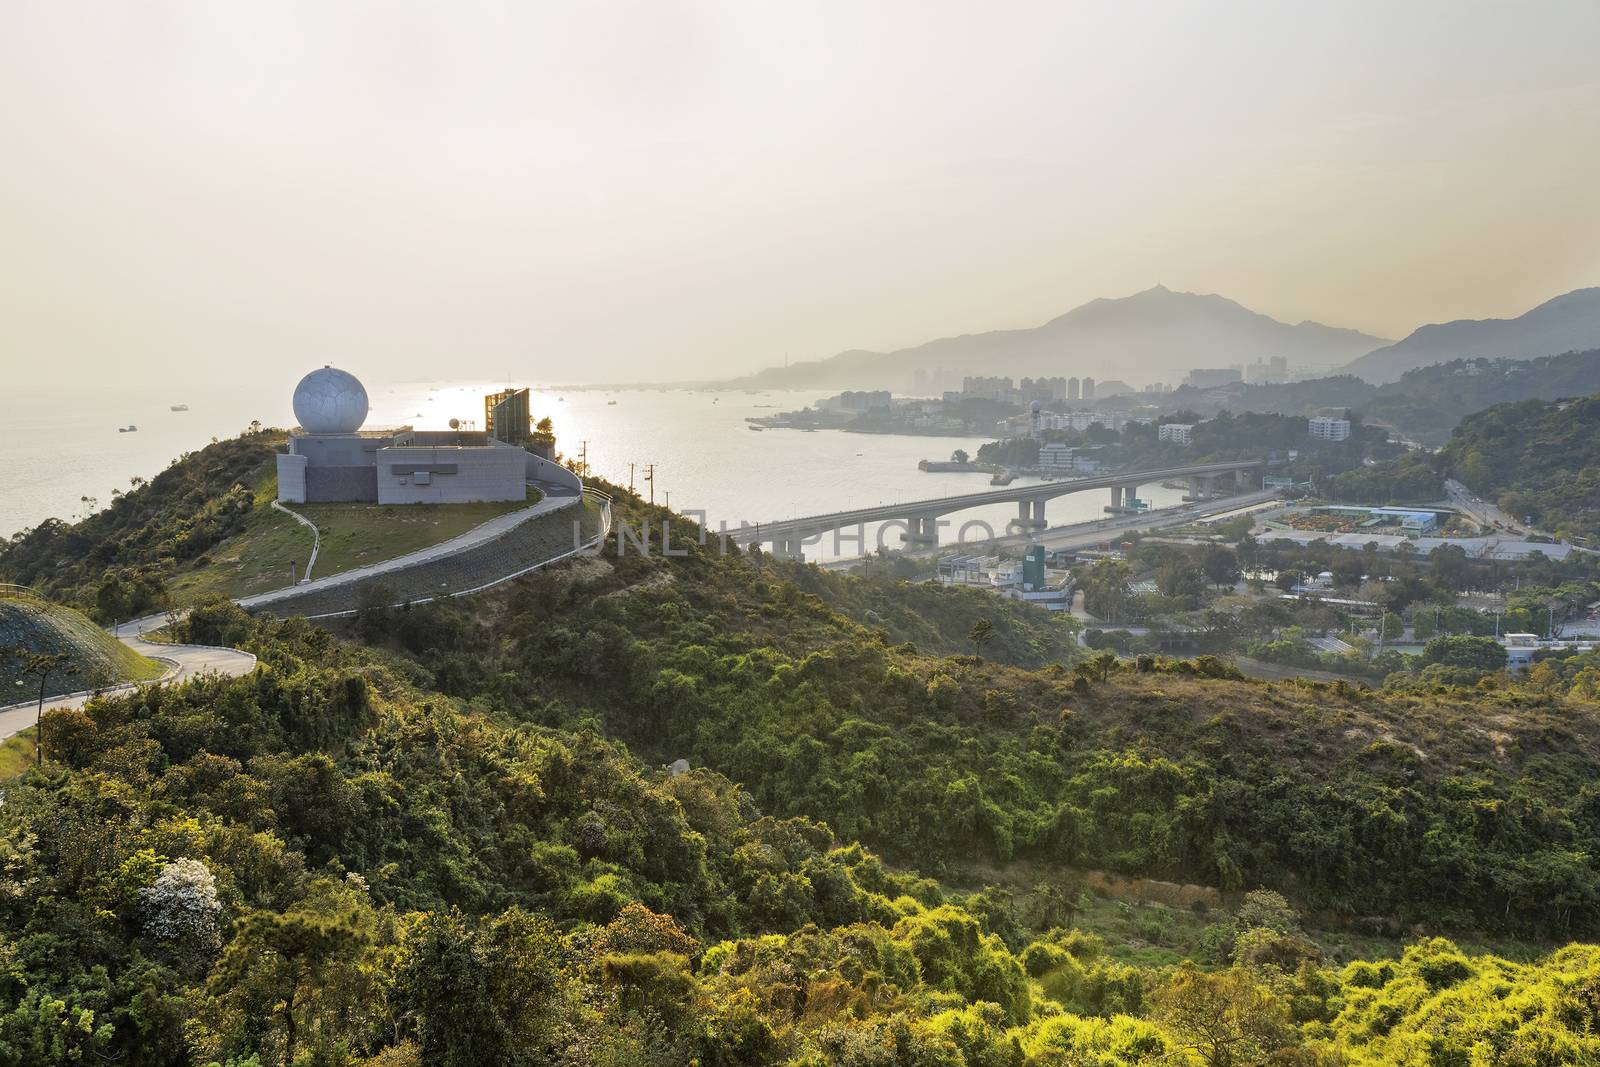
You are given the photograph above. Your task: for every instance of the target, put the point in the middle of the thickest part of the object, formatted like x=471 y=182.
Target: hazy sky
x=607 y=191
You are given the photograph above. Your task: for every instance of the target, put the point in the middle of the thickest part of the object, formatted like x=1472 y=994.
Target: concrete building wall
x=411 y=467
x=328 y=485
x=336 y=449
x=449 y=475
x=291 y=479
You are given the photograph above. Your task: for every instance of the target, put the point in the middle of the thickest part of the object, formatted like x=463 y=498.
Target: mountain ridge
x=1566 y=323
x=1154 y=334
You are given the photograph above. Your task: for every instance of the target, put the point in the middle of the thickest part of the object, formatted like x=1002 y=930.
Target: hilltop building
x=1324 y=428
x=331 y=459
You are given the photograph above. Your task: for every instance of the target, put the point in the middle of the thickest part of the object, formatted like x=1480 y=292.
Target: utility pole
x=583 y=457
x=650 y=476
x=630 y=477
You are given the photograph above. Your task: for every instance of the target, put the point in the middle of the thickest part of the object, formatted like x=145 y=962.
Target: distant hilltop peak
x=1155 y=334
x=1567 y=323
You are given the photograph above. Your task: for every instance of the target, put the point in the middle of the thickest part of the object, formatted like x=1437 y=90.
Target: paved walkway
x=555 y=498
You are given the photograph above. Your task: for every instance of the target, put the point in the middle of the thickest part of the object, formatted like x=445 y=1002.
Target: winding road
x=187 y=661
x=184 y=662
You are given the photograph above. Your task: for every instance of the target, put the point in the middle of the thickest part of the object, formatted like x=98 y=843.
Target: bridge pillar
x=1130 y=493
x=1030 y=514
x=1116 y=497
x=1241 y=478
x=921 y=530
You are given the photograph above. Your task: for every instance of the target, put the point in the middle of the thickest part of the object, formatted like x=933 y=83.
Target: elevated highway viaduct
x=920 y=519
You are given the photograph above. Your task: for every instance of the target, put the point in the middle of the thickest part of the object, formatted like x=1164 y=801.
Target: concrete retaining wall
x=539 y=469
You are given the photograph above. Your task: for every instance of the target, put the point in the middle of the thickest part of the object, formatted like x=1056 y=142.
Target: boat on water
x=1003 y=477
x=611 y=403
x=180 y=407
x=130 y=428
x=758 y=429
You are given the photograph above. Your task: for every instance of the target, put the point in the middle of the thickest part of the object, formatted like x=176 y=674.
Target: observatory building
x=331 y=459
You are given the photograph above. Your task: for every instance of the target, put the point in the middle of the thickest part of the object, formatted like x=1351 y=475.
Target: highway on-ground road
x=1482 y=511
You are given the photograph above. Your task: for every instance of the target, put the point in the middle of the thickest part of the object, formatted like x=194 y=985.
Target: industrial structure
x=508 y=416
x=331 y=459
x=1027 y=579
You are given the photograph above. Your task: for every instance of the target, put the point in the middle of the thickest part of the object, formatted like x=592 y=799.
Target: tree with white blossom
x=182 y=906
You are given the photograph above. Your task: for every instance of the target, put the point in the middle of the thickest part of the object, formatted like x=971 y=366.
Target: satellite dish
x=455 y=424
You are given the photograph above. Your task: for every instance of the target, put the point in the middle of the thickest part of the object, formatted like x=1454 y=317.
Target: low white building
x=1058 y=458
x=1327 y=428
x=1181 y=433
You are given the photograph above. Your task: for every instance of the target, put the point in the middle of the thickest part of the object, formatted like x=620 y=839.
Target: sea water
x=62 y=448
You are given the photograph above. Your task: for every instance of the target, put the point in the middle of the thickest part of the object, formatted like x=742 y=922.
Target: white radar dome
x=329 y=400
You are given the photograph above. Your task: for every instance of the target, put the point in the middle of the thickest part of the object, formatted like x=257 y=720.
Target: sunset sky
x=624 y=191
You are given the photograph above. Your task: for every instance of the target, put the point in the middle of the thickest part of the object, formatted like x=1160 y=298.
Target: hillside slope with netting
x=28 y=623
x=539 y=540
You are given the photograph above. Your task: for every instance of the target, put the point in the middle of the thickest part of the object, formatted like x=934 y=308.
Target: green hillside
x=1539 y=459
x=98 y=659
x=206 y=525
x=449 y=834
x=1425 y=404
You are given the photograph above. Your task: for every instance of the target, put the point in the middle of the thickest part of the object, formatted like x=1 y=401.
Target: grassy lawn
x=16 y=754
x=353 y=535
